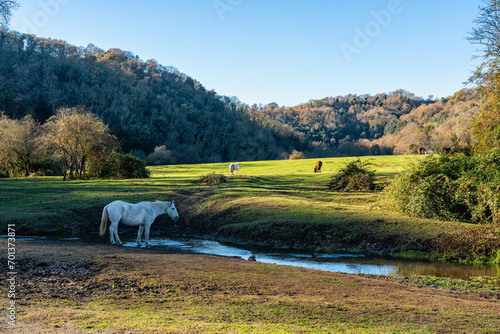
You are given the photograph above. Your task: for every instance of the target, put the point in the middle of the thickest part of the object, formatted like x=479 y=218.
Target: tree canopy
x=486 y=35
x=75 y=136
x=6 y=8
x=145 y=104
x=20 y=147
x=156 y=111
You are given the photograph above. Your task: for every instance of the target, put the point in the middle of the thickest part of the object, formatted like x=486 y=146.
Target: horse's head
x=172 y=211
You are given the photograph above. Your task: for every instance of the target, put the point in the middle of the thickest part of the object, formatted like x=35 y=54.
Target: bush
x=48 y=166
x=120 y=166
x=296 y=155
x=451 y=187
x=470 y=244
x=129 y=167
x=479 y=188
x=212 y=179
x=355 y=176
x=161 y=156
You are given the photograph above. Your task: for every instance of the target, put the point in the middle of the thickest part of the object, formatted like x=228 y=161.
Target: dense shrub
x=129 y=167
x=452 y=187
x=355 y=176
x=296 y=155
x=161 y=156
x=120 y=166
x=470 y=244
x=212 y=179
x=48 y=166
x=479 y=188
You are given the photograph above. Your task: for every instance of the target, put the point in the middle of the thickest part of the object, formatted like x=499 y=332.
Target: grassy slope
x=281 y=203
x=284 y=204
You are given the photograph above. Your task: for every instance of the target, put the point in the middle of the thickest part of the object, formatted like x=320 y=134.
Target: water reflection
x=344 y=263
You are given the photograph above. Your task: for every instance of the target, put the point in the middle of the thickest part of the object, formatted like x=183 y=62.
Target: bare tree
x=20 y=145
x=6 y=8
x=74 y=135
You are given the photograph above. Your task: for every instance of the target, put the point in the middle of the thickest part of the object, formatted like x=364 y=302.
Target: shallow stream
x=342 y=262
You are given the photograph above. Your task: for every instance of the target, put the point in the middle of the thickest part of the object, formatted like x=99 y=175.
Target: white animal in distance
x=233 y=168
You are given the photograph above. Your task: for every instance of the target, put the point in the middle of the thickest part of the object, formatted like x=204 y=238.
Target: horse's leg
x=115 y=231
x=146 y=233
x=139 y=235
x=118 y=238
x=112 y=228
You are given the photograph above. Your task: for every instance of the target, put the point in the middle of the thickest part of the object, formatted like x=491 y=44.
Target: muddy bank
x=78 y=288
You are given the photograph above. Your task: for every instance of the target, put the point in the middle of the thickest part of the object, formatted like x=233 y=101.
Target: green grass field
x=270 y=203
x=31 y=200
x=273 y=203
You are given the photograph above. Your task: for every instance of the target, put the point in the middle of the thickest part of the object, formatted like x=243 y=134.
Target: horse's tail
x=104 y=221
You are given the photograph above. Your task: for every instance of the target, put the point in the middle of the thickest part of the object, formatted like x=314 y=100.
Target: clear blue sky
x=275 y=50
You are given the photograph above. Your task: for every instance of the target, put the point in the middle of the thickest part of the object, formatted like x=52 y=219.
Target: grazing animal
x=317 y=168
x=233 y=168
x=446 y=150
x=422 y=150
x=142 y=214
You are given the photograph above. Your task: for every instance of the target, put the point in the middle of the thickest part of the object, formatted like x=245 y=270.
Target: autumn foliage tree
x=463 y=186
x=169 y=117
x=485 y=35
x=75 y=135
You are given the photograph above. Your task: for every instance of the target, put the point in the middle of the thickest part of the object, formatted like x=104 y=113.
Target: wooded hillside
x=371 y=125
x=144 y=103
x=156 y=109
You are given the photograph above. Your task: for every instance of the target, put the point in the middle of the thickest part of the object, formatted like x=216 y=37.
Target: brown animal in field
x=446 y=150
x=422 y=150
x=317 y=169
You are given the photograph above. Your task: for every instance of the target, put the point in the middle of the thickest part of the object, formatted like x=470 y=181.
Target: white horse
x=233 y=168
x=142 y=214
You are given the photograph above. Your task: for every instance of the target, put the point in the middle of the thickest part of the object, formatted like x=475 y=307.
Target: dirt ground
x=82 y=273
x=48 y=269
